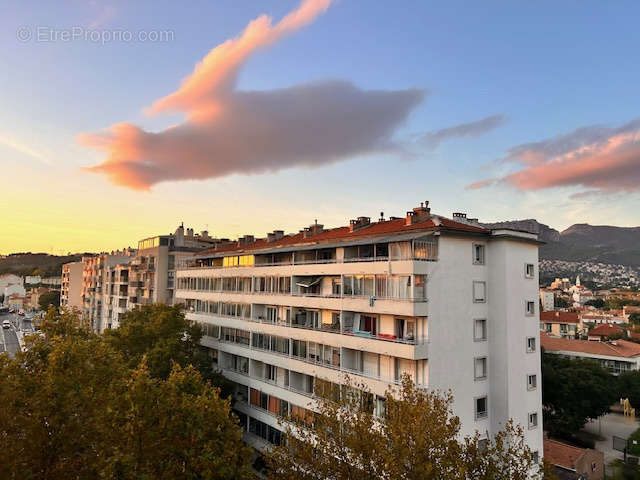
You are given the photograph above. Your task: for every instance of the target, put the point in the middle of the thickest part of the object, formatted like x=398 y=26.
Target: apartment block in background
x=71 y=285
x=450 y=303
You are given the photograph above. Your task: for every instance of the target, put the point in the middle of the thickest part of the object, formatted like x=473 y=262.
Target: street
x=9 y=335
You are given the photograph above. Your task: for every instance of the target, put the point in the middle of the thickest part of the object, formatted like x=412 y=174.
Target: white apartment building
x=113 y=283
x=547 y=299
x=446 y=301
x=71 y=285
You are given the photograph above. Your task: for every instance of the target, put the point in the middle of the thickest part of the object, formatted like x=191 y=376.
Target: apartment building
x=113 y=283
x=445 y=300
x=94 y=276
x=561 y=324
x=71 y=285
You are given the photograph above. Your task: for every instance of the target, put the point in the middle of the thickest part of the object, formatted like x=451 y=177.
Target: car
x=6 y=324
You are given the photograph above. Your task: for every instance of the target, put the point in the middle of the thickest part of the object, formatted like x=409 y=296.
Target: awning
x=310 y=282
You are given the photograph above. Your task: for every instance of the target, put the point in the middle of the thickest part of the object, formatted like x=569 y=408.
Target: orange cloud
x=600 y=159
x=229 y=131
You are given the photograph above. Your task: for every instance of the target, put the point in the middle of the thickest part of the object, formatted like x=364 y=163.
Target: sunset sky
x=254 y=115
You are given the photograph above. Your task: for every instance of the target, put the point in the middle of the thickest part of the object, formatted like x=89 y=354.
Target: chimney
x=359 y=223
x=418 y=214
x=189 y=232
x=204 y=234
x=275 y=235
x=459 y=215
x=312 y=230
x=381 y=219
x=246 y=240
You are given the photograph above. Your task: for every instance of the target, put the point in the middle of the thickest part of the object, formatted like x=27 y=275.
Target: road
x=9 y=336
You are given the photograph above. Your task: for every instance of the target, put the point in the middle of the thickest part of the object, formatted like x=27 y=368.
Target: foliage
x=559 y=302
x=596 y=302
x=49 y=299
x=164 y=336
x=574 y=391
x=629 y=387
x=616 y=303
x=417 y=439
x=71 y=408
x=634 y=318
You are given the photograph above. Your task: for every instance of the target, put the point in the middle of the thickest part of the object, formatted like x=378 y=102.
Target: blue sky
x=548 y=67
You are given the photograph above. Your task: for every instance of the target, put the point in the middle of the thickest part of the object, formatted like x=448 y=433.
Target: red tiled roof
x=622 y=348
x=605 y=329
x=561 y=454
x=555 y=316
x=344 y=233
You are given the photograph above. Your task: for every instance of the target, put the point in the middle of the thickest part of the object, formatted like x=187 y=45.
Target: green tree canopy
x=574 y=391
x=596 y=302
x=416 y=439
x=72 y=408
x=164 y=336
x=629 y=387
x=49 y=299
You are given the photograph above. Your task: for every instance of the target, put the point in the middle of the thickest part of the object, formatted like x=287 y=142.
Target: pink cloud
x=229 y=131
x=599 y=159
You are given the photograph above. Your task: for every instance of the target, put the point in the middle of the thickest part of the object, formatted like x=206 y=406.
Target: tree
x=49 y=299
x=560 y=302
x=629 y=387
x=415 y=439
x=71 y=408
x=164 y=336
x=634 y=318
x=574 y=391
x=596 y=302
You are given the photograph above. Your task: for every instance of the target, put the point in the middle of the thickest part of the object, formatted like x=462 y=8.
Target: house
x=560 y=324
x=547 y=299
x=617 y=356
x=573 y=463
x=605 y=331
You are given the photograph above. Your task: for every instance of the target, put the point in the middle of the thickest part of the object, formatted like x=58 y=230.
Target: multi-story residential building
x=448 y=302
x=547 y=299
x=94 y=273
x=152 y=272
x=71 y=285
x=120 y=281
x=561 y=324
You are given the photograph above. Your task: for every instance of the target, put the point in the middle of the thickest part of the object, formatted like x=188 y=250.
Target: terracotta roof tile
x=606 y=329
x=622 y=348
x=555 y=316
x=561 y=454
x=344 y=233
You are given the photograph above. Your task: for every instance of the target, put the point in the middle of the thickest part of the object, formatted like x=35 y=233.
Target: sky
x=120 y=120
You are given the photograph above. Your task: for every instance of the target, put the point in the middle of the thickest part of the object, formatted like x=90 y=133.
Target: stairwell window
x=479 y=292
x=480 y=368
x=481 y=407
x=529 y=270
x=531 y=344
x=533 y=420
x=530 y=308
x=480 y=329
x=532 y=382
x=478 y=254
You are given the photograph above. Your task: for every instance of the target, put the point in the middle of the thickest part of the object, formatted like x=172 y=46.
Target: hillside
x=26 y=263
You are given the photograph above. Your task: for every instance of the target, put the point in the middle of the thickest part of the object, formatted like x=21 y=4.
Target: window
x=480 y=329
x=479 y=292
x=533 y=420
x=529 y=271
x=530 y=308
x=480 y=368
x=531 y=344
x=536 y=457
x=478 y=254
x=532 y=382
x=481 y=407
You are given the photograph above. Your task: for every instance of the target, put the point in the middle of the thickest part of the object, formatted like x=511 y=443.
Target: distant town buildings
x=71 y=285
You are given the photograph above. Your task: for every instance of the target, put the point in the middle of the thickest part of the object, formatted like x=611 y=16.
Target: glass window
x=530 y=308
x=531 y=344
x=533 y=420
x=478 y=254
x=480 y=368
x=532 y=382
x=479 y=292
x=480 y=329
x=529 y=271
x=481 y=407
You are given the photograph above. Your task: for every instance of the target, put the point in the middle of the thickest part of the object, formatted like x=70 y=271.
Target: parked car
x=6 y=324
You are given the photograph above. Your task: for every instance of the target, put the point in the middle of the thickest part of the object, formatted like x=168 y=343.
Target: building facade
x=448 y=302
x=71 y=285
